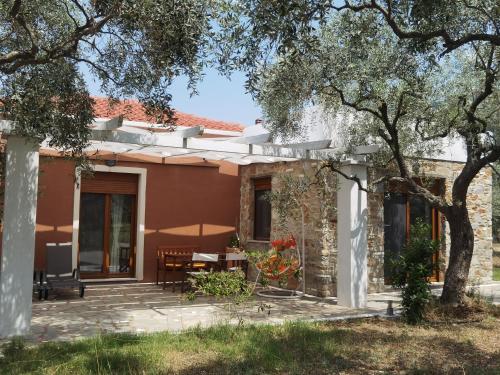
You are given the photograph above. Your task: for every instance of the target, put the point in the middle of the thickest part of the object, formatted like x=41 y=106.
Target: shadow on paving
x=296 y=348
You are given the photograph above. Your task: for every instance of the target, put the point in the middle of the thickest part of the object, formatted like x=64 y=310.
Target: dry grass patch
x=432 y=348
x=476 y=309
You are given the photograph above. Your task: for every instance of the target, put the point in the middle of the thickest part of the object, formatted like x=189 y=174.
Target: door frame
x=140 y=213
x=105 y=274
x=436 y=222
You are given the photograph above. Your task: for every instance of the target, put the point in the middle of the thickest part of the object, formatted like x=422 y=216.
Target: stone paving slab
x=147 y=308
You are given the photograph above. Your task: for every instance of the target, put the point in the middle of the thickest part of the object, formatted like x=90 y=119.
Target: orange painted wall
x=185 y=205
x=54 y=214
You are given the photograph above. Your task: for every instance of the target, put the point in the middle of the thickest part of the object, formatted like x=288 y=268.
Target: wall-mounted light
x=110 y=163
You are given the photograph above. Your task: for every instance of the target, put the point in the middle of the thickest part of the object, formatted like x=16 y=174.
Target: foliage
x=222 y=284
x=289 y=197
x=279 y=263
x=255 y=31
x=412 y=270
x=496 y=273
x=234 y=241
x=233 y=287
x=131 y=48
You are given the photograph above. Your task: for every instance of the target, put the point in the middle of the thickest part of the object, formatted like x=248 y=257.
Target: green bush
x=222 y=284
x=412 y=270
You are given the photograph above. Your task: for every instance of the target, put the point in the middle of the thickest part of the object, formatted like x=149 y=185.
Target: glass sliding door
x=92 y=215
x=106 y=235
x=121 y=233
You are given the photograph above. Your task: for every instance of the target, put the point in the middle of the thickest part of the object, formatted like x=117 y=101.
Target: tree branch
x=96 y=67
x=14 y=60
x=449 y=43
x=331 y=166
x=355 y=106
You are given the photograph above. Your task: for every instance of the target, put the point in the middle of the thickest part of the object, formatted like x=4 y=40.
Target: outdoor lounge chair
x=59 y=273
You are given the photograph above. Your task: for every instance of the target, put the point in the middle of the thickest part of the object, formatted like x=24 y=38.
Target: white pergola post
x=352 y=212
x=18 y=239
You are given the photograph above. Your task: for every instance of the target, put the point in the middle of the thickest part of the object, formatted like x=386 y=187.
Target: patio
x=146 y=308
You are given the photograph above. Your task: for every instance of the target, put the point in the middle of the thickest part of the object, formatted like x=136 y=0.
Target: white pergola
x=117 y=137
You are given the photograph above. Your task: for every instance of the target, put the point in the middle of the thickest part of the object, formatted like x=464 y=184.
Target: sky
x=218 y=98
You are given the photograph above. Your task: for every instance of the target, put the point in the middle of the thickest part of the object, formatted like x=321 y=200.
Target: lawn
x=496 y=273
x=358 y=347
x=496 y=261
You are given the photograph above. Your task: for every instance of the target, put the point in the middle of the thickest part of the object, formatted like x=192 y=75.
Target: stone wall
x=375 y=236
x=320 y=222
x=479 y=202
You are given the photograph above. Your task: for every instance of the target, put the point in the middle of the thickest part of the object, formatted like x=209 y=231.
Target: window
x=262 y=209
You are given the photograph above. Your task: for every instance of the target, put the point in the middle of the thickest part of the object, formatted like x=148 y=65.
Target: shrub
x=222 y=284
x=412 y=270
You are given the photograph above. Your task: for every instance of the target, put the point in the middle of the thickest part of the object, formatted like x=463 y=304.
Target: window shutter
x=262 y=183
x=111 y=183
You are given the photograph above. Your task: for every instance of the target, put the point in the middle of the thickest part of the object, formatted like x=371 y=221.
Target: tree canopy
x=133 y=48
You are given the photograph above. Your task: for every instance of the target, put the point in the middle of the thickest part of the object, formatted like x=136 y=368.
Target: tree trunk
x=461 y=250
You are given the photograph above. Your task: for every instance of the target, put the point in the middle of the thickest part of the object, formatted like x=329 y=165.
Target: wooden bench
x=172 y=259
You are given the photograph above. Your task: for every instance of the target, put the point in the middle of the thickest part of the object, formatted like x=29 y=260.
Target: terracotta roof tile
x=132 y=110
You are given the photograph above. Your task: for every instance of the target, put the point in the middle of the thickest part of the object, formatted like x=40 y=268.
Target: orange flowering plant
x=279 y=264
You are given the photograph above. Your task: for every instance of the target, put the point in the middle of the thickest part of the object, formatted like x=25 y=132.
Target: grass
x=358 y=347
x=496 y=273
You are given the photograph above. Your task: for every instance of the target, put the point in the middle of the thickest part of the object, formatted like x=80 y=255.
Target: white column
x=18 y=240
x=352 y=212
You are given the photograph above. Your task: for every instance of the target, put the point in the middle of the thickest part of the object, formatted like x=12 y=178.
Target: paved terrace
x=145 y=308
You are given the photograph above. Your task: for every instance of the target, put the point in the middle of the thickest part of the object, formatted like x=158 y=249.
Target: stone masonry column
x=352 y=222
x=18 y=240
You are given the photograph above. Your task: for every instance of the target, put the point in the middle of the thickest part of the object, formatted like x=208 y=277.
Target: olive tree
x=410 y=73
x=131 y=47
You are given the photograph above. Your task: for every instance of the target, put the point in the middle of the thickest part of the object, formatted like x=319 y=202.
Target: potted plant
x=234 y=244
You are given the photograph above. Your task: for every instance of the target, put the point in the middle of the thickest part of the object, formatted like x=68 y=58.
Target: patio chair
x=171 y=259
x=236 y=261
x=124 y=257
x=200 y=262
x=59 y=273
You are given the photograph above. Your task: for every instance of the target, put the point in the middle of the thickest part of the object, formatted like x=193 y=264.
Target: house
x=198 y=185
